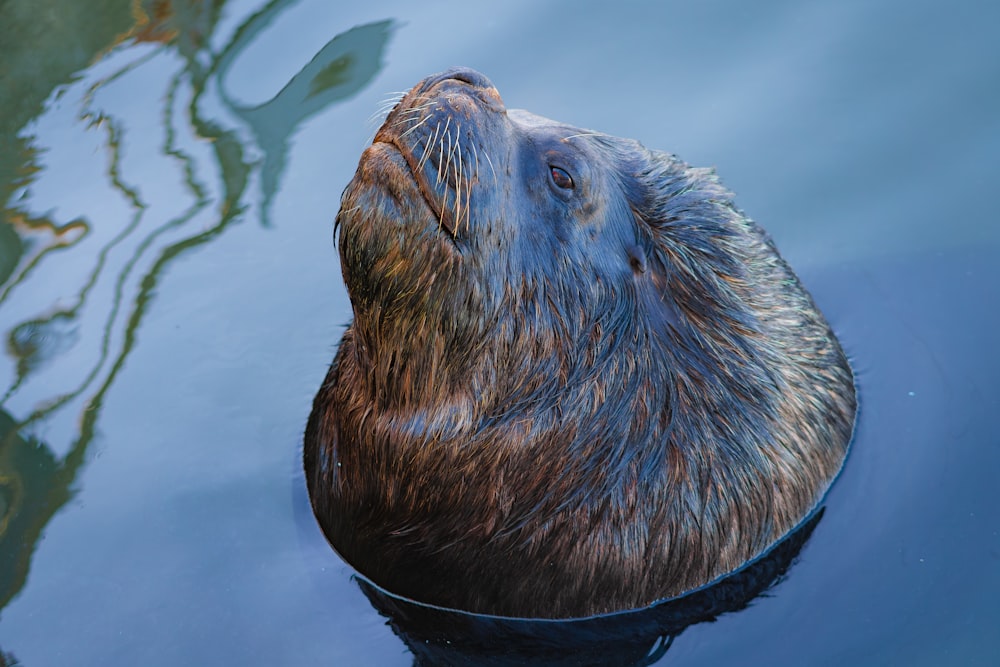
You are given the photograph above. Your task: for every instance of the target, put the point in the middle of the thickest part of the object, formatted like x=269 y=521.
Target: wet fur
x=556 y=407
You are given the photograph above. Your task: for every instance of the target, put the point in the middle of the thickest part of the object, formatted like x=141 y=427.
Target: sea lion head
x=566 y=349
x=474 y=237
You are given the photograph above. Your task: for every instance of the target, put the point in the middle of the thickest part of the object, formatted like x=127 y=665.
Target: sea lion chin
x=578 y=379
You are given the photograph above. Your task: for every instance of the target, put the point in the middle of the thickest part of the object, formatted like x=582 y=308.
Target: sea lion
x=578 y=379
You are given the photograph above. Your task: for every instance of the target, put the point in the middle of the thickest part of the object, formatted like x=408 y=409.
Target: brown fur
x=560 y=402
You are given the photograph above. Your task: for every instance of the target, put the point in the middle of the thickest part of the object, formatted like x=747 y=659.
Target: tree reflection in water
x=98 y=272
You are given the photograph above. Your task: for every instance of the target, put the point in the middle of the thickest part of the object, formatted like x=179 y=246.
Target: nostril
x=470 y=76
x=463 y=74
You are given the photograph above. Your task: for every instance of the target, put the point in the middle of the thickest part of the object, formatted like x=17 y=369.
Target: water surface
x=170 y=299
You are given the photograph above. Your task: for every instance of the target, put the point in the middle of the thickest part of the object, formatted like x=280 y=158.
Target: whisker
x=422 y=107
x=390 y=101
x=377 y=117
x=441 y=153
x=451 y=150
x=468 y=207
x=585 y=134
x=458 y=177
x=444 y=207
x=426 y=118
x=385 y=106
x=427 y=147
x=490 y=162
x=406 y=115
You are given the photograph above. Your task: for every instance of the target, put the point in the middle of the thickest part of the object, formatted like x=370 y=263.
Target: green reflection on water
x=50 y=49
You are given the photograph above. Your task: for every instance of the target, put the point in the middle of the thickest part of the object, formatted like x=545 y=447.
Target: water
x=170 y=298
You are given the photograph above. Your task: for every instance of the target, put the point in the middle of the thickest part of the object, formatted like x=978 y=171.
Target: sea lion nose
x=456 y=76
x=463 y=74
x=469 y=76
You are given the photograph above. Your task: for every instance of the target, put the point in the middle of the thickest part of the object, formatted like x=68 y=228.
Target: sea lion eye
x=561 y=178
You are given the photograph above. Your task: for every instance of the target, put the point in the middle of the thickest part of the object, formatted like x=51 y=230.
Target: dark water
x=170 y=298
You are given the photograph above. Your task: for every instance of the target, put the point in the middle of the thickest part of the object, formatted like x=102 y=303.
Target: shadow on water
x=119 y=38
x=444 y=637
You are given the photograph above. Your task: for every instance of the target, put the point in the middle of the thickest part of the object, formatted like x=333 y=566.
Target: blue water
x=170 y=298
